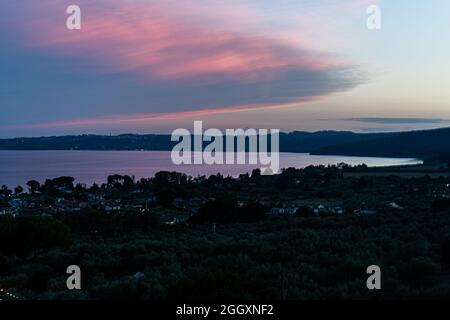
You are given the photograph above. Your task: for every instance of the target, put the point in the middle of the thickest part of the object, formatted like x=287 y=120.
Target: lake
x=18 y=167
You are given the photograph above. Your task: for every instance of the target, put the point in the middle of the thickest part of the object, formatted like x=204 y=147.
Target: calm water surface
x=18 y=167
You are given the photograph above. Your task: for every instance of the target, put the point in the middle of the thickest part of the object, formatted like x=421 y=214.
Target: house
x=364 y=212
x=277 y=211
x=337 y=210
x=72 y=209
x=65 y=190
x=111 y=208
x=138 y=207
x=151 y=197
x=8 y=211
x=173 y=222
x=291 y=211
x=138 y=275
x=180 y=203
x=96 y=197
x=321 y=209
x=3 y=212
x=18 y=203
x=283 y=211
x=241 y=203
x=441 y=193
x=394 y=205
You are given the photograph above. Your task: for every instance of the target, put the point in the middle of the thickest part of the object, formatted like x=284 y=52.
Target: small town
x=314 y=191
x=303 y=234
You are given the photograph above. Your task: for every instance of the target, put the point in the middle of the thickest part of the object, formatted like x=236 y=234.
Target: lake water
x=18 y=167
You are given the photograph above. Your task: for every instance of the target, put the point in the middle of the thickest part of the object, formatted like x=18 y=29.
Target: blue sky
x=145 y=66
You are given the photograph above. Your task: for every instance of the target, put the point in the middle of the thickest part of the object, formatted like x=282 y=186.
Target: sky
x=143 y=66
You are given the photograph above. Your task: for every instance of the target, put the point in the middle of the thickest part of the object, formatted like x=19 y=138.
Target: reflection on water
x=18 y=167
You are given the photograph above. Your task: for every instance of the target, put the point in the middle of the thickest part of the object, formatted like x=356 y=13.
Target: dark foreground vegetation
x=304 y=234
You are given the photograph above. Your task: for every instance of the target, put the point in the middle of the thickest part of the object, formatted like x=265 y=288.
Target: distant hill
x=307 y=142
x=90 y=142
x=424 y=144
x=297 y=141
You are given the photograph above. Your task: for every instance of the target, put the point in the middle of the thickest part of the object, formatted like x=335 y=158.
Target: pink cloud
x=189 y=59
x=152 y=41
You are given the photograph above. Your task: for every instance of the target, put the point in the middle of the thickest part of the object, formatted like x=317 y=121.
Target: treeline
x=423 y=144
x=307 y=258
x=25 y=235
x=225 y=209
x=296 y=141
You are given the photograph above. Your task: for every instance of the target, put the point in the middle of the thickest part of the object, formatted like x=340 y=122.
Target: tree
x=30 y=234
x=445 y=250
x=440 y=204
x=18 y=190
x=224 y=209
x=34 y=186
x=251 y=212
x=65 y=182
x=418 y=272
x=121 y=182
x=5 y=191
x=304 y=211
x=94 y=188
x=165 y=196
x=256 y=173
x=79 y=188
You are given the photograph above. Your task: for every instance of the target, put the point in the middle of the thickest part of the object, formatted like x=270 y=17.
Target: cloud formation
x=399 y=120
x=163 y=57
